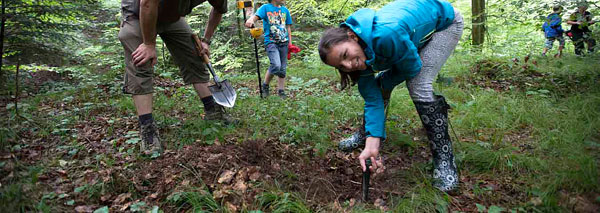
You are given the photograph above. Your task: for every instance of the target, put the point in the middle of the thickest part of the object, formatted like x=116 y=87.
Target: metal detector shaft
x=255 y=55
x=258 y=68
x=365 y=181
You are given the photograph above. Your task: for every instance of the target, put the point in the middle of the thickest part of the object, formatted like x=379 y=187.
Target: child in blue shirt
x=406 y=40
x=553 y=31
x=278 y=35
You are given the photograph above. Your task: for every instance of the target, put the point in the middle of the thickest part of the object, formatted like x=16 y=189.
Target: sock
x=209 y=102
x=146 y=119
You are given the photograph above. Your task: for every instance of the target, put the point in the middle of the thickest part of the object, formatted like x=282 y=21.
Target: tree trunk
x=2 y=82
x=478 y=11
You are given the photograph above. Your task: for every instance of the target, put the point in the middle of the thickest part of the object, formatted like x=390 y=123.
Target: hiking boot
x=282 y=94
x=434 y=116
x=150 y=141
x=359 y=137
x=217 y=113
x=265 y=90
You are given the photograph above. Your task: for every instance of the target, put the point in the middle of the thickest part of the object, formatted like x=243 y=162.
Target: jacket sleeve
x=374 y=111
x=398 y=50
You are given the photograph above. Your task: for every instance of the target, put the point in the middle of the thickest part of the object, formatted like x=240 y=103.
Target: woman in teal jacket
x=406 y=40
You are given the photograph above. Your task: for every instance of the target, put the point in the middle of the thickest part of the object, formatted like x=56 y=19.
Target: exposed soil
x=318 y=180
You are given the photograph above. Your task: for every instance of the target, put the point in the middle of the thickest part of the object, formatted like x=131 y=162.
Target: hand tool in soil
x=365 y=181
x=222 y=91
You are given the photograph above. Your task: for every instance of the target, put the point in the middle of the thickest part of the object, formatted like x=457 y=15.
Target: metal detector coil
x=256 y=32
x=244 y=4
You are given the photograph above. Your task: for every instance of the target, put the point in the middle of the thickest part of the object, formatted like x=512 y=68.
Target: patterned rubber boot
x=434 y=116
x=359 y=137
x=150 y=141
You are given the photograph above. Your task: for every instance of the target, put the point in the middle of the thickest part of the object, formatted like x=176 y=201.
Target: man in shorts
x=142 y=20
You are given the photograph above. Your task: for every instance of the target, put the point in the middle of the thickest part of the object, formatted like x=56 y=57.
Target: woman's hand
x=371 y=151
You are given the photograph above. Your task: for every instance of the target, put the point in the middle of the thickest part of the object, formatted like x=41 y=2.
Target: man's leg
x=591 y=43
x=578 y=42
x=143 y=104
x=138 y=82
x=178 y=39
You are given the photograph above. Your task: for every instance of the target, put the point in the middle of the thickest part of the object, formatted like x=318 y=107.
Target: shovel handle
x=205 y=59
x=198 y=44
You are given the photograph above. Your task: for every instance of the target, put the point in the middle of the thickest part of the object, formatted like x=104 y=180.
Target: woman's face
x=347 y=56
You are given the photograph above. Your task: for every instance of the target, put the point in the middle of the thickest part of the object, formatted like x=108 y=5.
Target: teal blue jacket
x=392 y=37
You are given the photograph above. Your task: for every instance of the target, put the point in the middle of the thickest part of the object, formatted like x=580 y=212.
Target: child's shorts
x=550 y=41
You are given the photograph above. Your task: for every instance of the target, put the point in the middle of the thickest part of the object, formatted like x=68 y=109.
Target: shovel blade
x=223 y=93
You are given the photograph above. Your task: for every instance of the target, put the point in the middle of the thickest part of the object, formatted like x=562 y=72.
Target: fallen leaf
x=84 y=209
x=121 y=198
x=536 y=201
x=231 y=207
x=240 y=186
x=255 y=176
x=125 y=207
x=221 y=193
x=226 y=176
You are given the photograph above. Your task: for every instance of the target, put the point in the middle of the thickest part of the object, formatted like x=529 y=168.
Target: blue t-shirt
x=275 y=20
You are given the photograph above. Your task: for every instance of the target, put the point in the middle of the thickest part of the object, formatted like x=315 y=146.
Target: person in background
x=580 y=21
x=553 y=31
x=277 y=24
x=406 y=40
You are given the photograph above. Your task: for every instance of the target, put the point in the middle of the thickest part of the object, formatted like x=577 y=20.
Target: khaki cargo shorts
x=178 y=39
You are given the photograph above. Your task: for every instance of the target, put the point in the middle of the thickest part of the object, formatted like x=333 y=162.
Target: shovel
x=222 y=91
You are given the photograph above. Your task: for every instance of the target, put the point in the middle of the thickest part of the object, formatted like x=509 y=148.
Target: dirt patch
x=232 y=172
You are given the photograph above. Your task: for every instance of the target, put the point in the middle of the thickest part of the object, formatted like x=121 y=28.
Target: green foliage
x=200 y=201
x=281 y=202
x=36 y=31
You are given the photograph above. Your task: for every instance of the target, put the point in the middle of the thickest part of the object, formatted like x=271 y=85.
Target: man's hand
x=143 y=54
x=205 y=49
x=371 y=151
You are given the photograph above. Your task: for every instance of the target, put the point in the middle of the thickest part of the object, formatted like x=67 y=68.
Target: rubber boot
x=359 y=137
x=434 y=116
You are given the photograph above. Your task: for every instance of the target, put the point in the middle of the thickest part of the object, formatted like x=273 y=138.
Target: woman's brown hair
x=330 y=38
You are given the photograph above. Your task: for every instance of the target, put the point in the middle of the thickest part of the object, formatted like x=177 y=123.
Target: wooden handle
x=198 y=44
x=205 y=58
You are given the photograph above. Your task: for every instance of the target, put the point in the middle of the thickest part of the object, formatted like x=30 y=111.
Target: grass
x=559 y=131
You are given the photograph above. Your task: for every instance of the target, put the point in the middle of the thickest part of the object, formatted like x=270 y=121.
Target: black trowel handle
x=365 y=181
